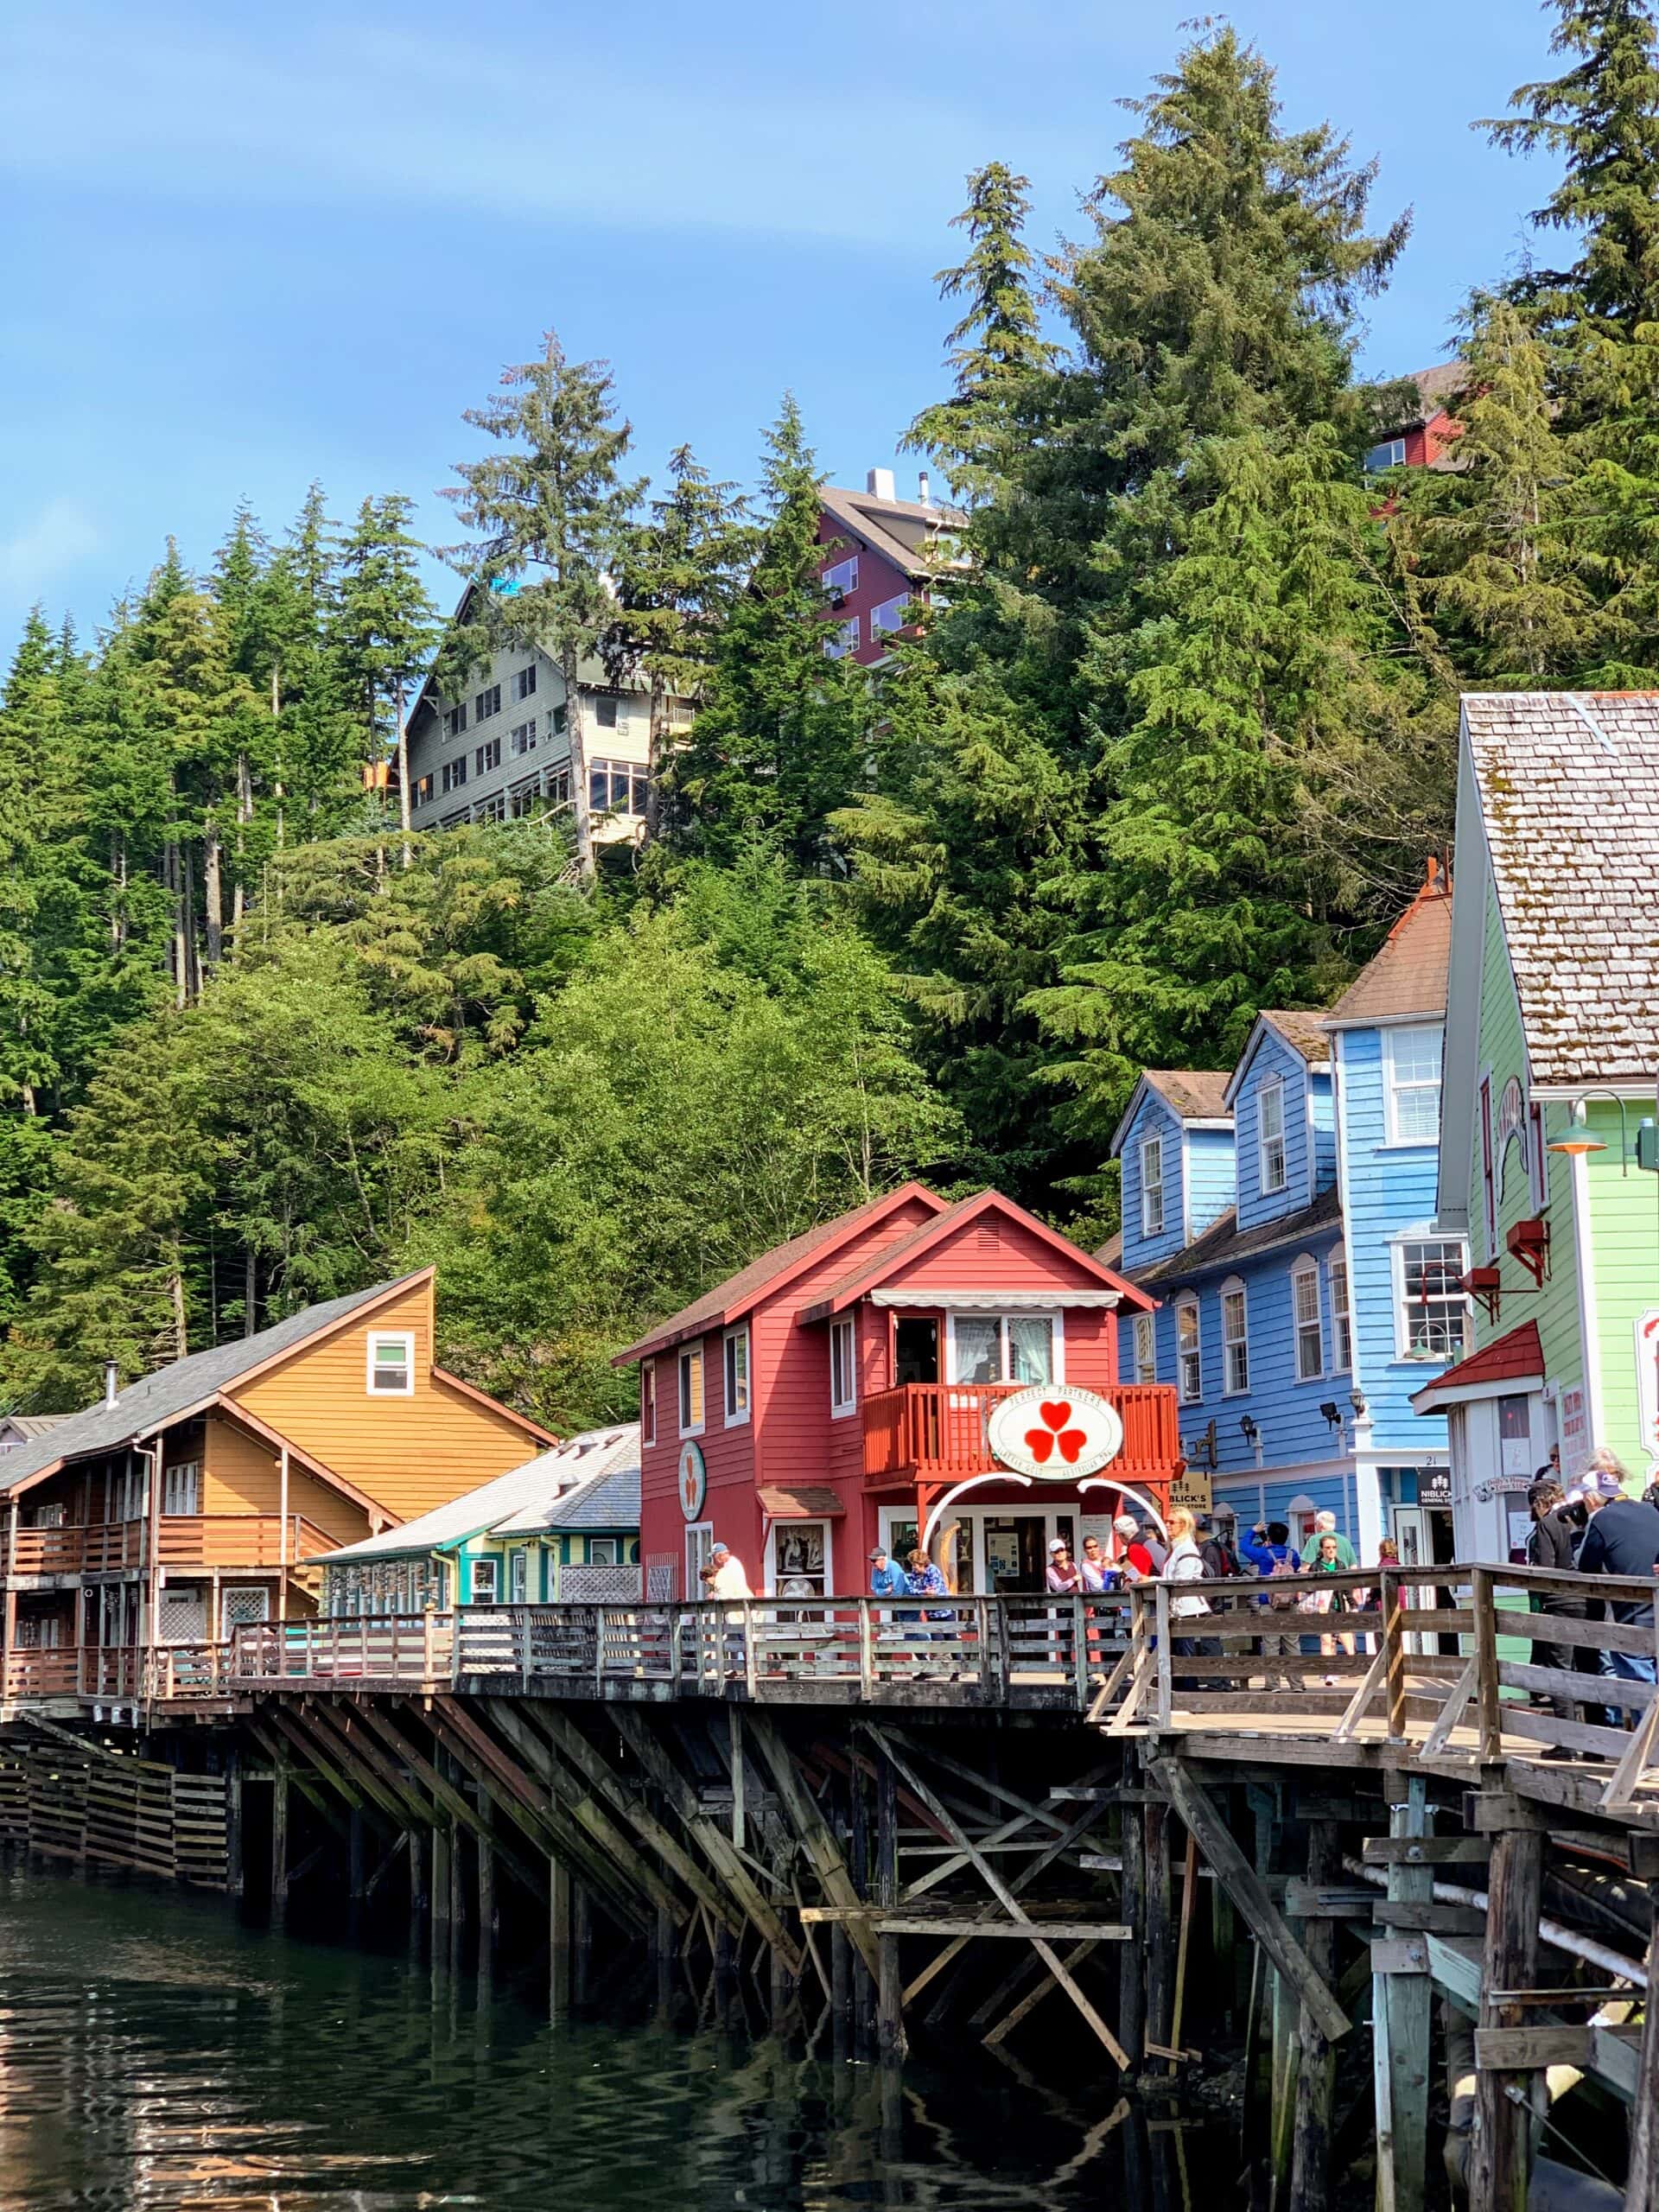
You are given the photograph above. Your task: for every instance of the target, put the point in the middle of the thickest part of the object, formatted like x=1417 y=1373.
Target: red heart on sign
x=1040 y=1443
x=1070 y=1444
x=1056 y=1416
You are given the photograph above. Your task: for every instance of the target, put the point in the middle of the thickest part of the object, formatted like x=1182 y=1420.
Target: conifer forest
x=1174 y=750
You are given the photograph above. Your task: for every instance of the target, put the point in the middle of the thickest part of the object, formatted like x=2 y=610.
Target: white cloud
x=348 y=113
x=59 y=536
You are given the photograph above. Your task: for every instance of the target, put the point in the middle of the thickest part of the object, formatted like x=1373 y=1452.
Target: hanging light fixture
x=1578 y=1143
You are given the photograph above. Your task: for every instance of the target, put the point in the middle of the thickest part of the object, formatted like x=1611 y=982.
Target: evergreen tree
x=552 y=510
x=387 y=632
x=679 y=575
x=780 y=742
x=1490 y=541
x=996 y=348
x=1601 y=116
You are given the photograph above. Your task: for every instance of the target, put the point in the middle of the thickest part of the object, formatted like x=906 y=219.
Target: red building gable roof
x=927 y=1234
x=1408 y=974
x=1516 y=1356
x=772 y=1270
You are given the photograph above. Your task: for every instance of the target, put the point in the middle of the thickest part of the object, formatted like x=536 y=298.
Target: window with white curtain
x=1270 y=1136
x=1152 y=1187
x=1189 y=1364
x=1234 y=1339
x=1309 y=1323
x=1004 y=1348
x=1412 y=1059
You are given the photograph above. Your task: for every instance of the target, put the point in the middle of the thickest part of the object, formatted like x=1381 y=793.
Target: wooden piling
x=559 y=1932
x=1158 y=1947
x=486 y=1908
x=1316 y=2077
x=234 y=1876
x=1507 y=2098
x=279 y=1806
x=1132 y=1911
x=356 y=1872
x=889 y=2009
x=1642 y=2180
x=419 y=1899
x=1403 y=1997
x=582 y=1943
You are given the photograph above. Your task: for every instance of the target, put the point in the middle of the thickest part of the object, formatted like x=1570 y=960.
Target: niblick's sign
x=1054 y=1434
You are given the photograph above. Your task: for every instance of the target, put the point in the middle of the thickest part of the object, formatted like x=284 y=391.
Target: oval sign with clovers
x=1054 y=1434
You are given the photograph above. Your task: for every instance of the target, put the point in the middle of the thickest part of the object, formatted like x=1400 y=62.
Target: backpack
x=1220 y=1560
x=1284 y=1602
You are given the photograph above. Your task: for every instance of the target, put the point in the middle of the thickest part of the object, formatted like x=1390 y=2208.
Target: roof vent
x=112 y=1382
x=924 y=488
x=879 y=483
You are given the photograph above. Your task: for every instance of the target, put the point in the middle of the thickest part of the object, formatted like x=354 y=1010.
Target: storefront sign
x=1575 y=1424
x=1434 y=1486
x=1054 y=1434
x=1503 y=1487
x=694 y=1480
x=1195 y=1489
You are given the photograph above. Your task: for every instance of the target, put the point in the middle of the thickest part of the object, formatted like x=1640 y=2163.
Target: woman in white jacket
x=1185 y=1566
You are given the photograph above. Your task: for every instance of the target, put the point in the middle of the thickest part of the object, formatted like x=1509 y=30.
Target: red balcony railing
x=935 y=1432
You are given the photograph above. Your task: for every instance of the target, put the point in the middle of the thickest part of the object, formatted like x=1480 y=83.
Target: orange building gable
x=368 y=1398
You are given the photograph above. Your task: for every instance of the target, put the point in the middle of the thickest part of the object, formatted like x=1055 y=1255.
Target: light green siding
x=1624 y=1237
x=1556 y=1308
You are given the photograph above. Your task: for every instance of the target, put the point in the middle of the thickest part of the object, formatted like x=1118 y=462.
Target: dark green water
x=153 y=2053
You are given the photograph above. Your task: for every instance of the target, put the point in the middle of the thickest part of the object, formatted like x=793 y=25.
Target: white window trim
x=404 y=1336
x=1392 y=1139
x=696 y=1552
x=1148 y=1323
x=1537 y=1157
x=1056 y=1337
x=687 y=1352
x=1339 y=1366
x=594 y=1561
x=1234 y=1287
x=490 y=1563
x=1423 y=1233
x=1274 y=1083
x=1182 y=1396
x=1305 y=1266
x=772 y=1534
x=1153 y=1144
x=738 y=1419
x=847 y=1324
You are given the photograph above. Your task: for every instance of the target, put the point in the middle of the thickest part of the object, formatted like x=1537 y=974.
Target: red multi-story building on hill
x=1424 y=434
x=881 y=555
x=837 y=1389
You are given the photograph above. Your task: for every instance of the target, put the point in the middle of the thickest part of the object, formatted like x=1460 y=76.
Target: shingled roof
x=1224 y=1244
x=1408 y=976
x=1569 y=801
x=154 y=1399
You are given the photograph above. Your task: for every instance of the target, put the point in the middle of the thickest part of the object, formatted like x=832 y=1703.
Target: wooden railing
x=975 y=1650
x=49 y=1672
x=199 y=1671
x=932 y=1432
x=239 y=1539
x=108 y=1673
x=102 y=1548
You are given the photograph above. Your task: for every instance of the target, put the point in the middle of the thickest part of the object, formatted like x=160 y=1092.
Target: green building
x=563 y=1528
x=1552 y=1057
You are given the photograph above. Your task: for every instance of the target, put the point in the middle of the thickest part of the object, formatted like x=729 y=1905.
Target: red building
x=1423 y=438
x=882 y=553
x=833 y=1393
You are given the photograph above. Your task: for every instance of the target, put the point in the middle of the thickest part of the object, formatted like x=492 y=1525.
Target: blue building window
x=1189 y=1365
x=1234 y=1340
x=1152 y=1187
x=1270 y=1136
x=1310 y=1327
x=1146 y=1348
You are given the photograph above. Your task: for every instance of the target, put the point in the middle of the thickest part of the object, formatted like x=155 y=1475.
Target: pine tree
x=678 y=575
x=387 y=631
x=1601 y=116
x=551 y=509
x=781 y=743
x=996 y=348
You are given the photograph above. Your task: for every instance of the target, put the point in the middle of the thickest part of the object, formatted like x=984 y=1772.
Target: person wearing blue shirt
x=1265 y=1548
x=888 y=1578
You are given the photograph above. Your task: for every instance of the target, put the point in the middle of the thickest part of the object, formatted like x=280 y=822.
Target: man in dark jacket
x=1623 y=1538
x=1552 y=1544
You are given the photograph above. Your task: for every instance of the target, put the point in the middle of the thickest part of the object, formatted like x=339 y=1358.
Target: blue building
x=1283 y=1217
x=1410 y=1317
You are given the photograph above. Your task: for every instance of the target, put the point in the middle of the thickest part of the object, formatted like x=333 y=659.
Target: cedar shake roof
x=739 y=1292
x=589 y=1482
x=1569 y=800
x=1224 y=1244
x=1191 y=1093
x=1514 y=1357
x=901 y=531
x=1304 y=1032
x=1408 y=976
x=1110 y=1254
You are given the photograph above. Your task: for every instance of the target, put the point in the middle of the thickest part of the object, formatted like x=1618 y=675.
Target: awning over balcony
x=799 y=1502
x=993 y=1301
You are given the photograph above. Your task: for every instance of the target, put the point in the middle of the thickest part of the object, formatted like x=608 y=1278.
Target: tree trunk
x=119 y=887
x=249 y=1292
x=657 y=747
x=403 y=794
x=173 y=875
x=577 y=741
x=191 y=948
x=275 y=716
x=244 y=816
x=180 y=1336
x=212 y=894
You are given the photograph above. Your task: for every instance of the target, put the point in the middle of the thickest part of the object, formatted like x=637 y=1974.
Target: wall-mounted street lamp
x=1332 y=1412
x=1248 y=1429
x=1578 y=1142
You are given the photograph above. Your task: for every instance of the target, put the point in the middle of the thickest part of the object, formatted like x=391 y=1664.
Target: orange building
x=138 y=1534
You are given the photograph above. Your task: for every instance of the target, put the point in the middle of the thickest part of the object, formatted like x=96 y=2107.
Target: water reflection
x=154 y=2054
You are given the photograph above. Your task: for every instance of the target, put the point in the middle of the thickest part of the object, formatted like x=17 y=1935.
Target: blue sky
x=252 y=245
